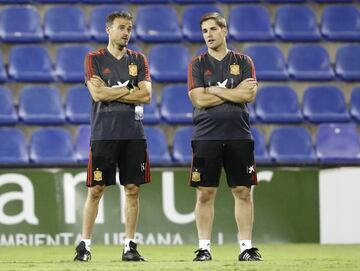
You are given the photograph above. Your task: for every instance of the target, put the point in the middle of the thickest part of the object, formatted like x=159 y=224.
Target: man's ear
x=107 y=29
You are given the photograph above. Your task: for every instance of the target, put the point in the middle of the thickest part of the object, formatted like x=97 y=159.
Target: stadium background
x=307 y=148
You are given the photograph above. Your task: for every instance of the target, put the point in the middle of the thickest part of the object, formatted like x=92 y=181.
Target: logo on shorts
x=235 y=69
x=133 y=70
x=195 y=176
x=250 y=169
x=142 y=166
x=98 y=175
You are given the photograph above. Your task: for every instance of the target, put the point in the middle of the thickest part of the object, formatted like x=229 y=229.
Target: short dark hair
x=117 y=14
x=217 y=17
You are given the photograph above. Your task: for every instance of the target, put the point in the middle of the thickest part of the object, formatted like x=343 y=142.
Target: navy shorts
x=129 y=156
x=235 y=156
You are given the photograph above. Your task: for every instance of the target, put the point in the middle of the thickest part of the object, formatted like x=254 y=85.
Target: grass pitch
x=287 y=257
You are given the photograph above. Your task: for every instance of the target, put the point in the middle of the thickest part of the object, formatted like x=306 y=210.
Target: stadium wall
x=44 y=207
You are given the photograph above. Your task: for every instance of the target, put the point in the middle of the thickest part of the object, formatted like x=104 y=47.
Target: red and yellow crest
x=133 y=71
x=235 y=69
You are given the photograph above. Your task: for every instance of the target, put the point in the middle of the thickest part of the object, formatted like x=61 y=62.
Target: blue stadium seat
x=176 y=107
x=238 y=1
x=41 y=105
x=15 y=1
x=8 y=115
x=3 y=76
x=157 y=23
x=191 y=18
x=57 y=1
x=163 y=70
x=341 y=23
x=98 y=20
x=309 y=63
x=333 y=1
x=261 y=153
x=182 y=152
x=149 y=1
x=20 y=24
x=324 y=104
x=13 y=147
x=194 y=1
x=277 y=104
x=355 y=104
x=285 y=1
x=51 y=146
x=65 y=24
x=348 y=62
x=151 y=111
x=82 y=144
x=296 y=23
x=70 y=62
x=269 y=62
x=78 y=105
x=157 y=147
x=104 y=1
x=338 y=143
x=243 y=27
x=291 y=145
x=30 y=63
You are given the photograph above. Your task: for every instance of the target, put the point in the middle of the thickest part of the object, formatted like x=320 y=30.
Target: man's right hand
x=248 y=83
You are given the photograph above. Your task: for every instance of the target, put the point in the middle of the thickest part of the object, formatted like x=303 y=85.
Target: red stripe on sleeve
x=253 y=75
x=190 y=81
x=147 y=71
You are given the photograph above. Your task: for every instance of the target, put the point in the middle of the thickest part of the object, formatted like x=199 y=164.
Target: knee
x=205 y=195
x=242 y=193
x=132 y=191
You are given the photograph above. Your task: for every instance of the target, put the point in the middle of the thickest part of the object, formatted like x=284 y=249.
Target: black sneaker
x=81 y=253
x=251 y=254
x=202 y=255
x=132 y=254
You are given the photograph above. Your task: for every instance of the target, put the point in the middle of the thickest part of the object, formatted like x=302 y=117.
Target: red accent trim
x=89 y=171
x=253 y=75
x=147 y=169
x=254 y=175
x=191 y=168
x=190 y=81
x=147 y=71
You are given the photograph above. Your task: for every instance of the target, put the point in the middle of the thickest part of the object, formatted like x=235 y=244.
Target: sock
x=204 y=244
x=126 y=244
x=87 y=243
x=244 y=245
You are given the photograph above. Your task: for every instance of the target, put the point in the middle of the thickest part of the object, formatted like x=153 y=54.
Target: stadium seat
x=194 y=1
x=277 y=104
x=243 y=27
x=57 y=1
x=151 y=111
x=13 y=147
x=78 y=105
x=191 y=18
x=269 y=62
x=82 y=144
x=285 y=1
x=70 y=62
x=182 y=152
x=20 y=24
x=176 y=107
x=163 y=70
x=15 y=1
x=333 y=1
x=261 y=153
x=341 y=23
x=324 y=104
x=51 y=146
x=98 y=21
x=149 y=1
x=30 y=63
x=157 y=147
x=296 y=23
x=291 y=145
x=104 y=1
x=338 y=143
x=157 y=23
x=355 y=104
x=8 y=115
x=238 y=1
x=65 y=24
x=3 y=76
x=41 y=105
x=348 y=62
x=309 y=63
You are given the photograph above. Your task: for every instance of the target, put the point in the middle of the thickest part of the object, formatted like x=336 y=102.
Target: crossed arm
x=101 y=93
x=245 y=92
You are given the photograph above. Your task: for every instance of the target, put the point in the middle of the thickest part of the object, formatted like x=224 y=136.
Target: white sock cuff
x=204 y=244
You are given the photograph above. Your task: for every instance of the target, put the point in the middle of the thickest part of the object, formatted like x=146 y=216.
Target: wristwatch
x=130 y=88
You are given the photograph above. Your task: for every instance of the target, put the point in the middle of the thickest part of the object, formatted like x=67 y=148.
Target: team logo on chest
x=133 y=71
x=235 y=69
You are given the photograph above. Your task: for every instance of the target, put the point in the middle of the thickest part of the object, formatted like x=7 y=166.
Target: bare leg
x=244 y=215
x=131 y=209
x=91 y=209
x=204 y=211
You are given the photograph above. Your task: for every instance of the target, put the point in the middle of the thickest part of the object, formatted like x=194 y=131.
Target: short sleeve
x=90 y=67
x=143 y=66
x=248 y=68
x=195 y=78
